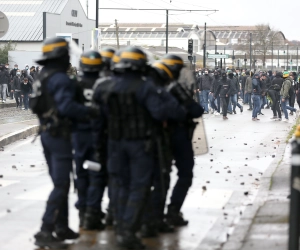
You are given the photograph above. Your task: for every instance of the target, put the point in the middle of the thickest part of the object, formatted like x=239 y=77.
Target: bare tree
x=264 y=39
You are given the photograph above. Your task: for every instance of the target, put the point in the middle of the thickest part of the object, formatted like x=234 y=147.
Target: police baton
x=294 y=220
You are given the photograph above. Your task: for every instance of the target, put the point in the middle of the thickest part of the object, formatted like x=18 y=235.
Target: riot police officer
x=107 y=55
x=90 y=184
x=133 y=103
x=181 y=141
x=53 y=102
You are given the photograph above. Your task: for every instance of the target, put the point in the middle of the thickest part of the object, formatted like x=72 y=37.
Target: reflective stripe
x=89 y=61
x=51 y=47
x=107 y=54
x=295 y=161
x=172 y=61
x=132 y=55
x=116 y=59
x=164 y=68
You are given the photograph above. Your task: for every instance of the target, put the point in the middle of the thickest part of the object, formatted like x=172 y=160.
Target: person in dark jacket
x=256 y=96
x=224 y=91
x=4 y=81
x=264 y=87
x=243 y=79
x=26 y=90
x=278 y=79
x=24 y=73
x=213 y=89
x=204 y=88
x=274 y=94
x=33 y=73
x=292 y=92
x=16 y=88
x=235 y=90
x=12 y=74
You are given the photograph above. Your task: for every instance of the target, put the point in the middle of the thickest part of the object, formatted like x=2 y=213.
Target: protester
x=26 y=90
x=16 y=88
x=285 y=94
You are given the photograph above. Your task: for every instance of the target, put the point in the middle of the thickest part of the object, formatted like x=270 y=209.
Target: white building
x=31 y=21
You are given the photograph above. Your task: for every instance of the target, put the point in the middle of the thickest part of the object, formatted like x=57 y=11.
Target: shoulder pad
x=103 y=82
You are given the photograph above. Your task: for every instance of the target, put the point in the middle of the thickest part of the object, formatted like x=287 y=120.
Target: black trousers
x=19 y=99
x=275 y=102
x=225 y=101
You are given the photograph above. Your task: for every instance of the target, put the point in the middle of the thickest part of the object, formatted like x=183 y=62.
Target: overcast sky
x=280 y=15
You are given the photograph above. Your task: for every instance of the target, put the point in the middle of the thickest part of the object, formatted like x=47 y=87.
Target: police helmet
x=107 y=55
x=53 y=48
x=91 y=61
x=131 y=58
x=163 y=71
x=175 y=64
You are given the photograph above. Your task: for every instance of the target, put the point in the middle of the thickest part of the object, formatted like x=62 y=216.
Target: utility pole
x=224 y=59
x=250 y=51
x=117 y=33
x=297 y=59
x=204 y=47
x=215 y=54
x=287 y=56
x=97 y=13
x=167 y=30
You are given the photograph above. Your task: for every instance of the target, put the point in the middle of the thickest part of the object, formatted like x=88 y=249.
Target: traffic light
x=190 y=46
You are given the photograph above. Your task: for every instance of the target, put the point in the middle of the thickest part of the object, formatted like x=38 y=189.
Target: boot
x=92 y=219
x=174 y=217
x=109 y=220
x=66 y=234
x=149 y=230
x=46 y=239
x=128 y=240
x=165 y=227
x=81 y=217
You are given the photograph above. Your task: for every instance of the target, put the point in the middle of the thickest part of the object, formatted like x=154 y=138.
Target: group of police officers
x=132 y=117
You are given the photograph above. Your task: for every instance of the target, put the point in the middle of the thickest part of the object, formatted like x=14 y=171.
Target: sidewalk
x=12 y=132
x=265 y=223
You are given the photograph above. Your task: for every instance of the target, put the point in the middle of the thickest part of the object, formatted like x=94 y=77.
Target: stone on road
x=214 y=204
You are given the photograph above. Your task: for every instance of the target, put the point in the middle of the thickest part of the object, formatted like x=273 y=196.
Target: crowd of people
x=17 y=84
x=127 y=117
x=222 y=90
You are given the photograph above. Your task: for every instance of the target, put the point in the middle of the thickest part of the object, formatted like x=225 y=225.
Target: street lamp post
x=245 y=60
x=216 y=58
x=287 y=55
x=224 y=60
x=250 y=51
x=297 y=59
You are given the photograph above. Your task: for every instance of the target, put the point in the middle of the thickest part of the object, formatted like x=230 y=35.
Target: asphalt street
x=226 y=181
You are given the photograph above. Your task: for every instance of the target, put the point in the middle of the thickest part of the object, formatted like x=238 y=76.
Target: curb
x=7 y=105
x=18 y=135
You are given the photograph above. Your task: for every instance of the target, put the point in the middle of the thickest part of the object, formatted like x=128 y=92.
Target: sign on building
x=217 y=56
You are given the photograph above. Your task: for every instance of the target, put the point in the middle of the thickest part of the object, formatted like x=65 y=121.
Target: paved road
x=240 y=150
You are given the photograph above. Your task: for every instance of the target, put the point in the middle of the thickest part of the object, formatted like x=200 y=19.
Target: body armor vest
x=86 y=87
x=127 y=119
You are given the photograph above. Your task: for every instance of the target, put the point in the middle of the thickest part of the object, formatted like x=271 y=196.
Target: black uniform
x=224 y=90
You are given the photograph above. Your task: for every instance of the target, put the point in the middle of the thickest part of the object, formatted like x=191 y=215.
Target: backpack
x=41 y=101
